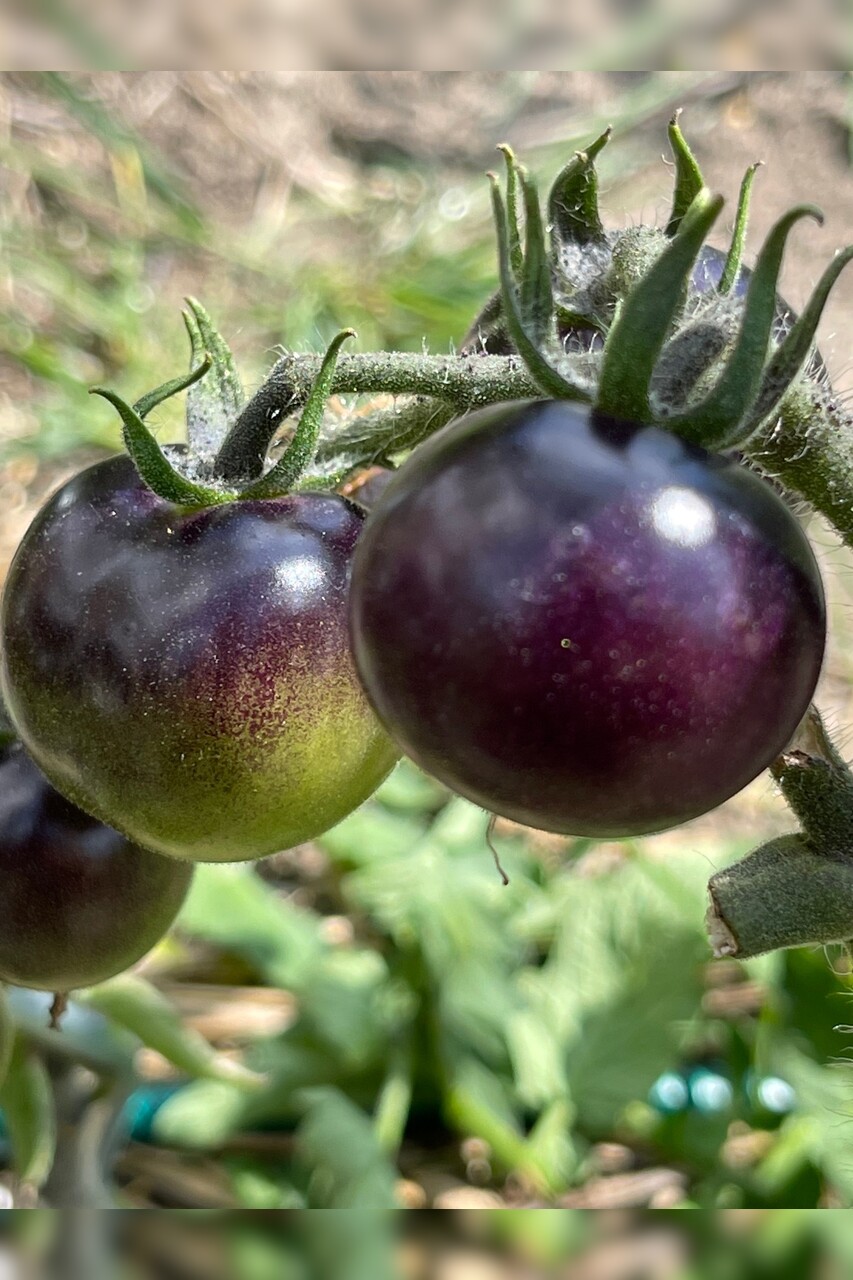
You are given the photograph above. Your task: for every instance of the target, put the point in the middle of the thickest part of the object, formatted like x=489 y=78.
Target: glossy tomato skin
x=79 y=902
x=186 y=675
x=585 y=625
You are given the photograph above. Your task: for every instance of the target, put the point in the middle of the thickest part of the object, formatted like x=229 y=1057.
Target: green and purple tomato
x=586 y=625
x=185 y=675
x=79 y=902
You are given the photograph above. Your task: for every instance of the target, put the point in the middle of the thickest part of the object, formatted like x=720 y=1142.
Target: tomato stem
x=797 y=889
x=462 y=382
x=302 y=449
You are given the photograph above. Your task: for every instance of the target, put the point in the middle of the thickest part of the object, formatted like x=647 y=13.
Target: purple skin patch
x=80 y=903
x=186 y=675
x=582 y=624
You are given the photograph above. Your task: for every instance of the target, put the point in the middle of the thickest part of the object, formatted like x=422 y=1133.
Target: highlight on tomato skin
x=185 y=675
x=80 y=903
x=582 y=624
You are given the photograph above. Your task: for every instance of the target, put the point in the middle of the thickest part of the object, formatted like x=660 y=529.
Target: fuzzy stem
x=818 y=786
x=809 y=444
x=466 y=382
x=810 y=448
x=798 y=889
x=784 y=894
x=376 y=436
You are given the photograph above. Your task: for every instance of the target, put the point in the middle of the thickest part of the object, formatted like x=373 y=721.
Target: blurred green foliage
x=536 y=1017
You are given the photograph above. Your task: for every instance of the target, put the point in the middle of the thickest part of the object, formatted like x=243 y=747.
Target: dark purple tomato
x=78 y=902
x=583 y=624
x=186 y=675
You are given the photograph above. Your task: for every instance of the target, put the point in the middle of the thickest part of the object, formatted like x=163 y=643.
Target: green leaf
x=26 y=1097
x=546 y=377
x=299 y=454
x=201 y=1116
x=479 y=1105
x=646 y=315
x=153 y=465
x=573 y=199
x=231 y=907
x=732 y=265
x=371 y=834
x=340 y=1004
x=717 y=422
x=537 y=1059
x=133 y=1003
x=394 y=1101
x=551 y=1146
x=688 y=177
x=351 y=1244
x=336 y=1141
x=146 y=403
x=212 y=406
x=205 y=1113
x=824 y=1103
x=622 y=982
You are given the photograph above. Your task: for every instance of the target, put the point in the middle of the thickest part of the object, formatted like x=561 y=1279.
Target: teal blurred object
x=710 y=1091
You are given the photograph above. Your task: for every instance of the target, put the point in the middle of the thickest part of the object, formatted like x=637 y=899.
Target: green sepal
x=547 y=378
x=300 y=453
x=688 y=176
x=734 y=257
x=516 y=257
x=146 y=403
x=152 y=464
x=537 y=300
x=717 y=422
x=793 y=351
x=645 y=316
x=573 y=199
x=213 y=405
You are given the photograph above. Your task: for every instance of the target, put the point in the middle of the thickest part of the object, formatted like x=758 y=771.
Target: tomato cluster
x=579 y=621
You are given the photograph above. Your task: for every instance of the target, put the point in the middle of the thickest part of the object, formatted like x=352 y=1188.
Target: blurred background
x=428 y=1038
x=429 y=34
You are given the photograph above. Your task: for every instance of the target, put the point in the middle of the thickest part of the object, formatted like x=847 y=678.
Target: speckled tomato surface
x=79 y=902
x=186 y=675
x=585 y=625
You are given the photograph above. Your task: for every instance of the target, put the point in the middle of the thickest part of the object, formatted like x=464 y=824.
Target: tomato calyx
x=743 y=355
x=195 y=477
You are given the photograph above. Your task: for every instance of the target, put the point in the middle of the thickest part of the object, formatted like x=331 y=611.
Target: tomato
x=185 y=675
x=80 y=903
x=582 y=624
